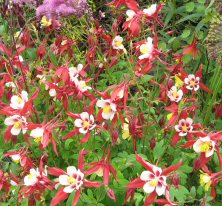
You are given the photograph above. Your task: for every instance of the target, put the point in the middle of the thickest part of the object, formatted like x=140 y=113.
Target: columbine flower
x=154 y=181
x=205 y=145
x=81 y=85
x=192 y=82
x=117 y=43
x=205 y=181
x=74 y=71
x=73 y=180
x=10 y=85
x=85 y=123
x=146 y=49
x=18 y=124
x=130 y=14
x=18 y=102
x=52 y=92
x=32 y=178
x=37 y=134
x=184 y=126
x=109 y=108
x=150 y=10
x=16 y=158
x=174 y=94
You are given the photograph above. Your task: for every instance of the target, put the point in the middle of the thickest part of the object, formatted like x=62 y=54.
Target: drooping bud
x=152 y=143
x=175 y=180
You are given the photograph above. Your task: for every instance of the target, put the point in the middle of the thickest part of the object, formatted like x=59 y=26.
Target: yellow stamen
x=82 y=85
x=107 y=109
x=175 y=94
x=118 y=43
x=144 y=50
x=153 y=183
x=19 y=100
x=38 y=139
x=16 y=161
x=71 y=180
x=30 y=176
x=205 y=146
x=18 y=124
x=192 y=83
x=184 y=128
x=86 y=124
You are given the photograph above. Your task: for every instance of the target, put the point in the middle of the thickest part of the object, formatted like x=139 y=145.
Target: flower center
x=71 y=180
x=38 y=139
x=118 y=43
x=16 y=161
x=175 y=94
x=18 y=124
x=205 y=147
x=107 y=109
x=192 y=83
x=145 y=50
x=82 y=85
x=86 y=124
x=184 y=128
x=30 y=176
x=19 y=100
x=153 y=183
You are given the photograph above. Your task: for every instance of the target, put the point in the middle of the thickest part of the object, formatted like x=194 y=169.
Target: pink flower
x=174 y=94
x=85 y=122
x=192 y=82
x=155 y=181
x=73 y=180
x=109 y=108
x=184 y=126
x=18 y=124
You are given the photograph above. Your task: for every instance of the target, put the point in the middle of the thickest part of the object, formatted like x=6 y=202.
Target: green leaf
x=186 y=33
x=159 y=149
x=180 y=193
x=190 y=7
x=201 y=1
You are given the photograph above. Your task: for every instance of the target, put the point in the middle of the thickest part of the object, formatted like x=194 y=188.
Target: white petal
x=24 y=96
x=157 y=170
x=106 y=116
x=63 y=179
x=145 y=176
x=37 y=132
x=78 y=123
x=101 y=103
x=52 y=92
x=68 y=189
x=71 y=170
x=15 y=131
x=84 y=116
x=160 y=190
x=177 y=128
x=11 y=120
x=83 y=131
x=148 y=188
x=197 y=146
x=189 y=120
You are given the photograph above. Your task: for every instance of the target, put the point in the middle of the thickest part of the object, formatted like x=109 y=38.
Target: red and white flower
x=37 y=134
x=150 y=10
x=18 y=124
x=16 y=158
x=146 y=49
x=85 y=122
x=204 y=145
x=73 y=180
x=32 y=178
x=184 y=126
x=117 y=43
x=174 y=94
x=192 y=82
x=81 y=85
x=109 y=108
x=155 y=181
x=74 y=71
x=18 y=101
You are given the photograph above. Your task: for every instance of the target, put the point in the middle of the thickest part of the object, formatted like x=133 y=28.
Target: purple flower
x=60 y=8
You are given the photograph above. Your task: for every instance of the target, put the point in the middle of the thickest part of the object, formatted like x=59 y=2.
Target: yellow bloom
x=205 y=180
x=179 y=82
x=45 y=22
x=169 y=116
